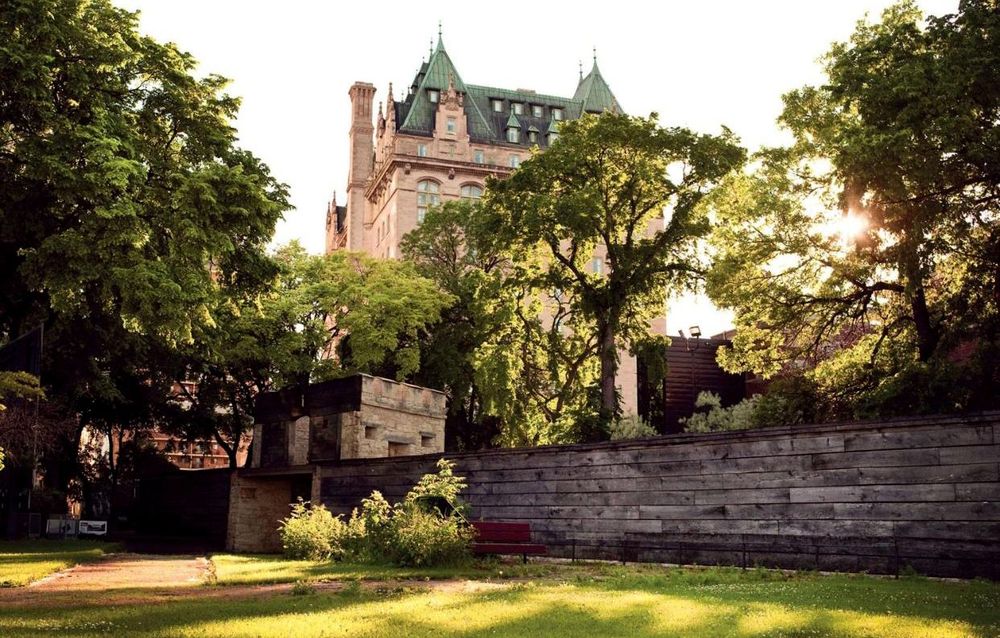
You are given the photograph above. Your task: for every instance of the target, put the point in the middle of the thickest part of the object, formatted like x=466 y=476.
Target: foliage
x=311 y=532
x=631 y=426
x=441 y=485
x=129 y=211
x=423 y=539
x=740 y=416
x=19 y=385
x=513 y=376
x=899 y=151
x=409 y=534
x=602 y=190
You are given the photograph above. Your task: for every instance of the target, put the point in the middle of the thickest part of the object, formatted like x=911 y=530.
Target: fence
x=918 y=493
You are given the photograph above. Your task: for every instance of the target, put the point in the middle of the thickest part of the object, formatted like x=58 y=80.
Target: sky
x=700 y=64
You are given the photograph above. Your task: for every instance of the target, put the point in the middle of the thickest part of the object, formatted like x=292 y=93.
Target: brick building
x=439 y=141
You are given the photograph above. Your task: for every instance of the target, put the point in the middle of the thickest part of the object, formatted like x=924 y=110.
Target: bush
x=312 y=533
x=718 y=418
x=424 y=539
x=631 y=427
x=427 y=529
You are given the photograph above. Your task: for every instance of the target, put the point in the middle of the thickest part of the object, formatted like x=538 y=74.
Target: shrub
x=631 y=427
x=312 y=533
x=424 y=539
x=718 y=418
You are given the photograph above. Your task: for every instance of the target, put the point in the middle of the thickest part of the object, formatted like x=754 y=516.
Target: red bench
x=505 y=538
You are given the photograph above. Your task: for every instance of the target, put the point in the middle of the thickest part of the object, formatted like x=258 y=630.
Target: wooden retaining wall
x=920 y=493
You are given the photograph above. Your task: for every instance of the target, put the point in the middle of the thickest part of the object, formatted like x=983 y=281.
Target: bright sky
x=700 y=64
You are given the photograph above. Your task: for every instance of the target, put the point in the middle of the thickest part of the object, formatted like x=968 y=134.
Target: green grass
x=24 y=561
x=231 y=569
x=579 y=600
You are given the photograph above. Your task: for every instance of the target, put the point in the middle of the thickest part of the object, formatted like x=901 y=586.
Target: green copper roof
x=416 y=112
x=595 y=94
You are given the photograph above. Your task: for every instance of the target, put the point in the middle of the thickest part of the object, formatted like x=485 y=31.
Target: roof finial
x=580 y=62
x=595 y=55
x=439 y=29
x=390 y=92
x=430 y=49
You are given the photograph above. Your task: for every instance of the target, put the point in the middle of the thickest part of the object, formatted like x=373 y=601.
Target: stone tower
x=362 y=155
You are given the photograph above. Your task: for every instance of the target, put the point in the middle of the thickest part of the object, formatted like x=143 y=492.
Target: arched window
x=472 y=192
x=427 y=196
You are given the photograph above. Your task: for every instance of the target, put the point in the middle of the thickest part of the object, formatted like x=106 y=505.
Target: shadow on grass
x=593 y=609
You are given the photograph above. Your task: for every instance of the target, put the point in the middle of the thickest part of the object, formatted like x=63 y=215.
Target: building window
x=451 y=125
x=557 y=114
x=433 y=95
x=513 y=135
x=518 y=108
x=515 y=161
x=552 y=138
x=598 y=266
x=427 y=196
x=426 y=440
x=478 y=157
x=533 y=137
x=471 y=191
x=536 y=110
x=422 y=150
x=398 y=449
x=498 y=106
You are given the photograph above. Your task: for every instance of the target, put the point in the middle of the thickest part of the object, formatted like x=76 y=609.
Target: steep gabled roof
x=438 y=74
x=594 y=93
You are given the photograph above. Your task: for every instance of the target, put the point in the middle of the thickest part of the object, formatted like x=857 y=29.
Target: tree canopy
x=869 y=249
x=624 y=191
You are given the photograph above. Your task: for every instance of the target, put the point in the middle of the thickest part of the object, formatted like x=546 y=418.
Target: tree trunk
x=927 y=334
x=609 y=370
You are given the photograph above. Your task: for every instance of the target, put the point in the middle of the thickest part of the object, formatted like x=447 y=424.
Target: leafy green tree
x=323 y=317
x=127 y=206
x=511 y=377
x=605 y=186
x=871 y=246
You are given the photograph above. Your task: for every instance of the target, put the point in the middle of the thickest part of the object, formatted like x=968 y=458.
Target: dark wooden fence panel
x=878 y=497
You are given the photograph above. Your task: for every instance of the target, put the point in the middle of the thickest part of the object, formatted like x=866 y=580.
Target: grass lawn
x=24 y=561
x=541 y=600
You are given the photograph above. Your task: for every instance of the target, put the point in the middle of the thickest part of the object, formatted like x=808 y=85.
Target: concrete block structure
x=298 y=429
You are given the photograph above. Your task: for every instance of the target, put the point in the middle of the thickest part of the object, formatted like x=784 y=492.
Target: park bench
x=504 y=538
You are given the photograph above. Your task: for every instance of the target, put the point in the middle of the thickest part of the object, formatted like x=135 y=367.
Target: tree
x=604 y=186
x=871 y=246
x=127 y=206
x=511 y=378
x=324 y=317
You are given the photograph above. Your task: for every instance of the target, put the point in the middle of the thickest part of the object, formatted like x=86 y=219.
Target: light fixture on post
x=695 y=331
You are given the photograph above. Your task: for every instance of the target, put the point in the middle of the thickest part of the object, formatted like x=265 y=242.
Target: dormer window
x=498 y=106
x=557 y=114
x=451 y=125
x=536 y=110
x=433 y=95
x=533 y=137
x=553 y=137
x=517 y=107
x=514 y=135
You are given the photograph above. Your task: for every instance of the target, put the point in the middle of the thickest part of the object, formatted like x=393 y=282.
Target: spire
x=594 y=93
x=439 y=30
x=390 y=98
x=581 y=70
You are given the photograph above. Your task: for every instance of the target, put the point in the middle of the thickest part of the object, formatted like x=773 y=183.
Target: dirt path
x=140 y=578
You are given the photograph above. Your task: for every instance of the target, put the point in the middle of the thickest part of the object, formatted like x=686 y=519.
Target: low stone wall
x=257 y=503
x=878 y=497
